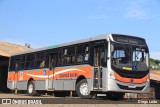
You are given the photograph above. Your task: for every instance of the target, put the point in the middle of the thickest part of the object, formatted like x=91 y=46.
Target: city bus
x=113 y=64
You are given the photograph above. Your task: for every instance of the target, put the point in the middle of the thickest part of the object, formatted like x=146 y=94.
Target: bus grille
x=127 y=88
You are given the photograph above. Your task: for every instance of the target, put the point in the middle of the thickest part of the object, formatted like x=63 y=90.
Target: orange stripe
x=70 y=75
x=136 y=81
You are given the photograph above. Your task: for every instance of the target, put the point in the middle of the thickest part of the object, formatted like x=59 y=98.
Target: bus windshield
x=130 y=57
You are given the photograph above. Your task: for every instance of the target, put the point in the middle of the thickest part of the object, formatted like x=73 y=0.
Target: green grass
x=155 y=63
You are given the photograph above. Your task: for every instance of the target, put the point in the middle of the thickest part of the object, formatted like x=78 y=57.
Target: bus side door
x=16 y=73
x=99 y=66
x=52 y=65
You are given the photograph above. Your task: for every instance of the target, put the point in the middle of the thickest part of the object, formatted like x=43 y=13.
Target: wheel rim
x=84 y=89
x=30 y=88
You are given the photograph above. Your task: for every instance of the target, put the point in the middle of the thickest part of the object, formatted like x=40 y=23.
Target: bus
x=113 y=64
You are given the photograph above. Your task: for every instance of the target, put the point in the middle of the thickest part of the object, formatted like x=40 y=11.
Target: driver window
x=120 y=56
x=139 y=55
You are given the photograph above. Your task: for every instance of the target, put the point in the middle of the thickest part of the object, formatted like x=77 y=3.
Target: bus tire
x=31 y=88
x=83 y=90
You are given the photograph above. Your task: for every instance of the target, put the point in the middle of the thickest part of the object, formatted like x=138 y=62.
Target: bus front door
x=16 y=74
x=99 y=64
x=52 y=65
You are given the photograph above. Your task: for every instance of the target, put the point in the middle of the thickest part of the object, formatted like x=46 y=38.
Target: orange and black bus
x=111 y=63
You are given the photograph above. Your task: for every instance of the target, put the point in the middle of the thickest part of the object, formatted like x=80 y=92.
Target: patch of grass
x=154 y=64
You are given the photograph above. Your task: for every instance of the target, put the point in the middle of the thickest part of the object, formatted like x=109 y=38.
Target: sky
x=47 y=22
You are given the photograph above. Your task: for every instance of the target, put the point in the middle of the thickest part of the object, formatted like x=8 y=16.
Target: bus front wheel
x=82 y=89
x=31 y=88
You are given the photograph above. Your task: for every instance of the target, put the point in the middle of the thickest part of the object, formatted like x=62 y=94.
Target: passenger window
x=22 y=62
x=103 y=57
x=30 y=61
x=12 y=63
x=68 y=56
x=40 y=60
x=82 y=54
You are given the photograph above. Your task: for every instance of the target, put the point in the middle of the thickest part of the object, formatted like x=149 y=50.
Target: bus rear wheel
x=31 y=88
x=82 y=89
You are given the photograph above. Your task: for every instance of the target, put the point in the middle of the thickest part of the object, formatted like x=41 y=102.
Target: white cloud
x=136 y=14
x=137 y=9
x=155 y=55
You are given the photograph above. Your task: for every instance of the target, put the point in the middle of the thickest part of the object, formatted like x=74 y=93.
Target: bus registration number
x=131 y=86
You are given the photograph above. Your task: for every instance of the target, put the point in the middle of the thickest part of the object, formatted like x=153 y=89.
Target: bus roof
x=99 y=37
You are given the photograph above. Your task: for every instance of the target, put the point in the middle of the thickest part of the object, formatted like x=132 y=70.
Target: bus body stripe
x=59 y=72
x=128 y=80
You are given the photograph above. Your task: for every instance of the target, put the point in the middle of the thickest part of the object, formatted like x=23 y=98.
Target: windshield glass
x=128 y=57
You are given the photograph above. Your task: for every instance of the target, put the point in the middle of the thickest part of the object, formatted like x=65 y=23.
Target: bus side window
x=82 y=54
x=103 y=57
x=52 y=61
x=22 y=62
x=30 y=61
x=40 y=60
x=17 y=65
x=42 y=64
x=68 y=56
x=12 y=66
x=86 y=55
x=79 y=59
x=96 y=58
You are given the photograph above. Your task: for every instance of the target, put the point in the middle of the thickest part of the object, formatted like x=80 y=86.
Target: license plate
x=132 y=86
